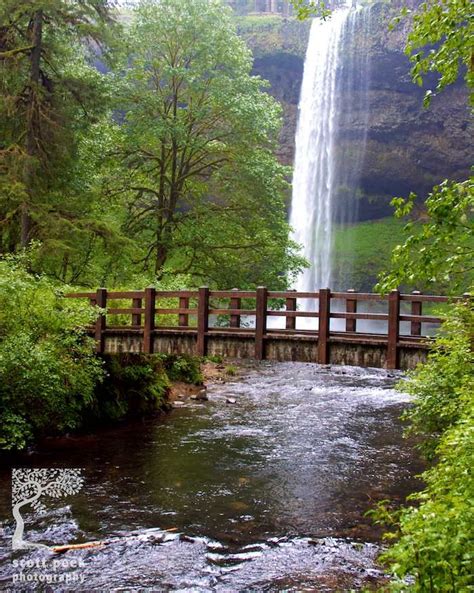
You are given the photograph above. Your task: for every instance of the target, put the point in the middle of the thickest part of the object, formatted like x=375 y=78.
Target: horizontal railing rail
x=191 y=311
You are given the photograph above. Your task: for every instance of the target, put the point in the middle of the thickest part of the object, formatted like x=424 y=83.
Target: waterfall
x=327 y=171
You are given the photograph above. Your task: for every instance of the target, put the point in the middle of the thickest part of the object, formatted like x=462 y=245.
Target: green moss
x=230 y=370
x=183 y=368
x=214 y=358
x=135 y=385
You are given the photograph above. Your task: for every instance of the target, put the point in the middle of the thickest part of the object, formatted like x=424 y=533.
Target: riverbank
x=131 y=387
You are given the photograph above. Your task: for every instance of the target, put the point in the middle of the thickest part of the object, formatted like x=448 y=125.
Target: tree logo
x=29 y=485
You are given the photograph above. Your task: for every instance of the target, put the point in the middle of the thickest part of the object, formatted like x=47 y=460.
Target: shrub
x=230 y=370
x=437 y=386
x=434 y=539
x=48 y=370
x=183 y=368
x=135 y=385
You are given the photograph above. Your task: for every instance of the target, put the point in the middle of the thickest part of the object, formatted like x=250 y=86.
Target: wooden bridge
x=240 y=324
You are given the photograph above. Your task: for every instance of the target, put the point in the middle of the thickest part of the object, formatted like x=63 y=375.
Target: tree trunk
x=161 y=257
x=33 y=126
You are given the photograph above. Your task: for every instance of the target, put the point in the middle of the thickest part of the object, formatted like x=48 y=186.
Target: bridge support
x=351 y=307
x=260 y=322
x=235 y=303
x=291 y=306
x=324 y=323
x=393 y=329
x=149 y=327
x=203 y=320
x=416 y=309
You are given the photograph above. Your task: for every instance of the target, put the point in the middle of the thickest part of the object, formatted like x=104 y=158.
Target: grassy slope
x=366 y=247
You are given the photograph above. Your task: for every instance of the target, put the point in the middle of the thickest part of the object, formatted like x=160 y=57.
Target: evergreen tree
x=49 y=94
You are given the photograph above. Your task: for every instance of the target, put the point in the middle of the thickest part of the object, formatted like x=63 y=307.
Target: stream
x=265 y=494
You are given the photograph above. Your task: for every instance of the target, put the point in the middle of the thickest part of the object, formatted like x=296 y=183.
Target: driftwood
x=97 y=544
x=86 y=545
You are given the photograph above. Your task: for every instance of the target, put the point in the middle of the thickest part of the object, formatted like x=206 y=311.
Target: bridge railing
x=247 y=312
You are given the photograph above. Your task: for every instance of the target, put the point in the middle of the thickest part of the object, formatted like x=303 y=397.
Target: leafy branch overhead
x=305 y=9
x=440 y=247
x=441 y=40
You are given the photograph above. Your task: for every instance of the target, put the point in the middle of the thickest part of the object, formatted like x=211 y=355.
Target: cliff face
x=409 y=148
x=279 y=49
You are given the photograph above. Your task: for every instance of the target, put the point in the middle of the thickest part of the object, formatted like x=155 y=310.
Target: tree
x=439 y=250
x=441 y=40
x=29 y=485
x=49 y=94
x=432 y=549
x=196 y=167
x=431 y=539
x=309 y=8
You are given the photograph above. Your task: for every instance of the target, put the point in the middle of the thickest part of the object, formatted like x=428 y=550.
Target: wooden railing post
x=149 y=326
x=324 y=325
x=291 y=306
x=203 y=320
x=351 y=307
x=235 y=303
x=393 y=329
x=416 y=309
x=136 y=317
x=260 y=322
x=101 y=323
x=183 y=317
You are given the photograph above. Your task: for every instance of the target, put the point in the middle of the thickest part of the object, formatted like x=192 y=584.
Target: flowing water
x=265 y=494
x=334 y=96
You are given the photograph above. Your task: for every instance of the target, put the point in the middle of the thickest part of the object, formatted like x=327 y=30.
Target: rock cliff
x=409 y=148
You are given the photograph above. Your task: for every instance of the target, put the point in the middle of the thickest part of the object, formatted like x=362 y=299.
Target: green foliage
x=442 y=40
x=135 y=385
x=230 y=370
x=438 y=386
x=195 y=166
x=213 y=358
x=441 y=249
x=51 y=380
x=181 y=178
x=48 y=370
x=50 y=94
x=306 y=9
x=183 y=368
x=433 y=539
x=433 y=549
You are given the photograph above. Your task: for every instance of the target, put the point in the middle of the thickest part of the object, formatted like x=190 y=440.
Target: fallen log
x=84 y=546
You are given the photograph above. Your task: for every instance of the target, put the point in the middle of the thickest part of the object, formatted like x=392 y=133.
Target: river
x=265 y=494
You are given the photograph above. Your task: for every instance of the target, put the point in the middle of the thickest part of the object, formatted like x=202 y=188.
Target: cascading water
x=326 y=173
